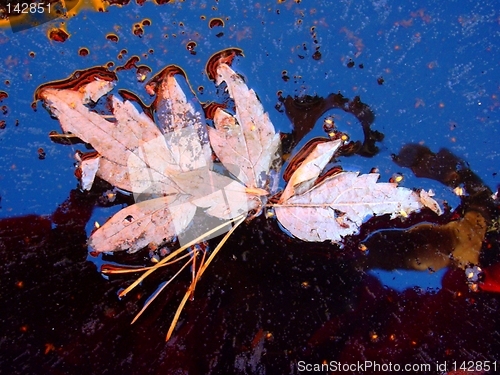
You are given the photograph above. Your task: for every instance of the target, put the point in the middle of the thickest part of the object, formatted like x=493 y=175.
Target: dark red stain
x=130 y=64
x=58 y=35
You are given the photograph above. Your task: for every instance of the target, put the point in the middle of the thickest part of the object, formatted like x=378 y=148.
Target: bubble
x=137 y=30
x=190 y=46
x=112 y=38
x=215 y=22
x=83 y=51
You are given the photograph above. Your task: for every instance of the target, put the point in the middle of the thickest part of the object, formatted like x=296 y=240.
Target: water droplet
x=215 y=22
x=190 y=46
x=112 y=37
x=316 y=55
x=83 y=51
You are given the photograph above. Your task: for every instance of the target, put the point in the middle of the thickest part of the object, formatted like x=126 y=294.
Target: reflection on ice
x=401 y=280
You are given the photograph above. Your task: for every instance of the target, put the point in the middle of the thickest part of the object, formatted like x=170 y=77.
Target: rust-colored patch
x=210 y=109
x=357 y=41
x=130 y=64
x=58 y=35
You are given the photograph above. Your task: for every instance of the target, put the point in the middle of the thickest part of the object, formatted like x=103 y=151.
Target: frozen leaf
x=247 y=139
x=427 y=201
x=88 y=165
x=309 y=170
x=175 y=112
x=116 y=141
x=173 y=161
x=168 y=167
x=150 y=222
x=338 y=205
x=94 y=90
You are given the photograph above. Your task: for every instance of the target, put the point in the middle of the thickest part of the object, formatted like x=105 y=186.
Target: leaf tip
x=226 y=56
x=427 y=200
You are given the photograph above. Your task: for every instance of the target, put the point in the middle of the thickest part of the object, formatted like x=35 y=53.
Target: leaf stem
x=202 y=269
x=175 y=253
x=128 y=269
x=157 y=293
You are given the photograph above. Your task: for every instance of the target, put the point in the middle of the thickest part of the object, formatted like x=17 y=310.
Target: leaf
x=169 y=169
x=310 y=169
x=338 y=205
x=247 y=139
x=172 y=163
x=154 y=221
x=116 y=141
x=88 y=166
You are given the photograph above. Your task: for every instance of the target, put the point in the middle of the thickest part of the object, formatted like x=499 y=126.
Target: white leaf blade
x=339 y=205
x=248 y=139
x=219 y=195
x=89 y=168
x=136 y=226
x=116 y=141
x=307 y=173
x=94 y=90
x=427 y=201
x=176 y=115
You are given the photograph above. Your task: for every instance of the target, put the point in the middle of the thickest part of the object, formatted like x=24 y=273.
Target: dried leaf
x=307 y=173
x=136 y=156
x=429 y=245
x=135 y=227
x=132 y=136
x=169 y=169
x=88 y=167
x=337 y=206
x=427 y=201
x=247 y=139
